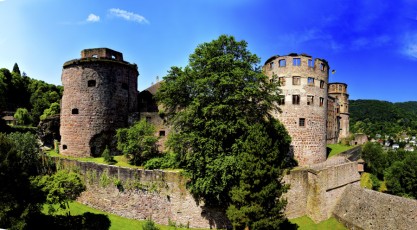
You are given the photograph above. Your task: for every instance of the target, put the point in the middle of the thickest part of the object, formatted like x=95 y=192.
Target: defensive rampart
x=361 y=208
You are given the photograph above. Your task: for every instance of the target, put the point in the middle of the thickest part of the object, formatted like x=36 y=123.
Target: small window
x=271 y=65
x=91 y=83
x=295 y=99
x=94 y=56
x=310 y=100
x=162 y=133
x=64 y=147
x=148 y=119
x=310 y=63
x=302 y=122
x=281 y=100
x=125 y=86
x=296 y=61
x=322 y=67
x=296 y=80
x=321 y=101
x=113 y=57
x=310 y=81
x=321 y=84
x=74 y=111
x=340 y=88
x=282 y=63
x=281 y=81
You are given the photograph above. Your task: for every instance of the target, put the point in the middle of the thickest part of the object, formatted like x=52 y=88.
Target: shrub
x=108 y=158
x=167 y=161
x=149 y=225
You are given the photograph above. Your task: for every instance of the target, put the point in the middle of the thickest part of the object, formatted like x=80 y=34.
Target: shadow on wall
x=99 y=142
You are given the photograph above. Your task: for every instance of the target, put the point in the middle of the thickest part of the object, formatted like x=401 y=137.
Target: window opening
x=125 y=86
x=302 y=122
x=321 y=84
x=91 y=83
x=74 y=111
x=281 y=81
x=321 y=101
x=162 y=133
x=321 y=67
x=295 y=99
x=310 y=100
x=64 y=147
x=296 y=80
x=281 y=100
x=282 y=63
x=94 y=56
x=271 y=65
x=296 y=61
x=148 y=119
x=310 y=81
x=310 y=63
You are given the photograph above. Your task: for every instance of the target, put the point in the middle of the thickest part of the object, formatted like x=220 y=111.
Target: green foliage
x=375 y=158
x=230 y=146
x=108 y=158
x=60 y=188
x=16 y=69
x=381 y=117
x=149 y=225
x=370 y=181
x=169 y=160
x=306 y=223
x=55 y=108
x=401 y=177
x=138 y=142
x=22 y=116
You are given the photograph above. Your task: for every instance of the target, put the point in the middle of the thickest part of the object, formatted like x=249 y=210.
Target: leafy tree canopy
x=16 y=69
x=223 y=133
x=22 y=116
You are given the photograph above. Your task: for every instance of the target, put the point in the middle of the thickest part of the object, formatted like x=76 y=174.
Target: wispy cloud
x=410 y=46
x=93 y=18
x=129 y=16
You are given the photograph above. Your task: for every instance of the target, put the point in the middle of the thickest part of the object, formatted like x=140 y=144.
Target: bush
x=149 y=225
x=108 y=158
x=169 y=160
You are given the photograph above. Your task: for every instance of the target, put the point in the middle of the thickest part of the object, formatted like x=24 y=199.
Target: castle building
x=308 y=111
x=100 y=94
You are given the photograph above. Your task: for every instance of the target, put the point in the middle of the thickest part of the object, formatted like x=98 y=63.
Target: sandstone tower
x=304 y=83
x=100 y=92
x=339 y=91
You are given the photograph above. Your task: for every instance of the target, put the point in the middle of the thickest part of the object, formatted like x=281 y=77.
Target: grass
x=338 y=148
x=306 y=223
x=117 y=222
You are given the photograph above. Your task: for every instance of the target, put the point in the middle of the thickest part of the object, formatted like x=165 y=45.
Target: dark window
x=91 y=83
x=321 y=84
x=74 y=111
x=64 y=146
x=271 y=65
x=310 y=100
x=310 y=63
x=162 y=133
x=310 y=81
x=322 y=67
x=295 y=99
x=281 y=100
x=296 y=61
x=281 y=81
x=296 y=80
x=282 y=63
x=148 y=119
x=302 y=122
x=124 y=86
x=321 y=101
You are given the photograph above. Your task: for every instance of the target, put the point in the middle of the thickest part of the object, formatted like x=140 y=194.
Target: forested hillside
x=28 y=96
x=381 y=117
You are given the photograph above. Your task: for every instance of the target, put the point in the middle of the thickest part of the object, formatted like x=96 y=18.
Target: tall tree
x=16 y=69
x=226 y=139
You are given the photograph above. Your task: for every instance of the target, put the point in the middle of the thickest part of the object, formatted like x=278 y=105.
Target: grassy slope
x=306 y=223
x=338 y=148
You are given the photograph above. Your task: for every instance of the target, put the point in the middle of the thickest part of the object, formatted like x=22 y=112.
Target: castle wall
x=99 y=94
x=143 y=194
x=304 y=109
x=339 y=91
x=361 y=208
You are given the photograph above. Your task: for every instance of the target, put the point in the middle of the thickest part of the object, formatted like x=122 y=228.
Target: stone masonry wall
x=141 y=194
x=361 y=208
x=99 y=95
x=305 y=78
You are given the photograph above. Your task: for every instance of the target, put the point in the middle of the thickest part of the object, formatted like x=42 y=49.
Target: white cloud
x=410 y=45
x=93 y=18
x=129 y=16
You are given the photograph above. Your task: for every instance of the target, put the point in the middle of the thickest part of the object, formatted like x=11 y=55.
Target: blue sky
x=371 y=44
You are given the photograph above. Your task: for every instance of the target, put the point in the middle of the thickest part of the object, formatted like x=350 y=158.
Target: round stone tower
x=100 y=92
x=339 y=91
x=304 y=103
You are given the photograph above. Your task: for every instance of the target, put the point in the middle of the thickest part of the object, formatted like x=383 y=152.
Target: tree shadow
x=85 y=221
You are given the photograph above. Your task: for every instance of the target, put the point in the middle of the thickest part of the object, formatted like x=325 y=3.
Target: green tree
x=16 y=69
x=401 y=177
x=223 y=134
x=22 y=116
x=138 y=142
x=54 y=109
x=108 y=158
x=375 y=159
